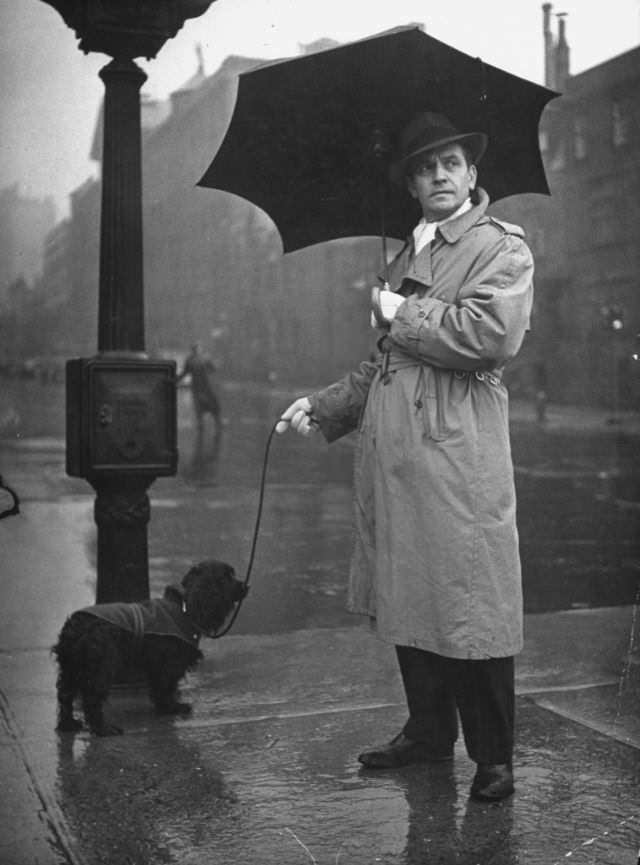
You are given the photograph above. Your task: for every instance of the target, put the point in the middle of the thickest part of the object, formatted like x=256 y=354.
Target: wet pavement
x=265 y=770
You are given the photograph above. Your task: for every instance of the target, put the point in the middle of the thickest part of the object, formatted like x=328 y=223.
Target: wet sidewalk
x=265 y=771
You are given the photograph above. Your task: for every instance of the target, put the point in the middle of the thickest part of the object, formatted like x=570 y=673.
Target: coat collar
x=418 y=267
x=453 y=230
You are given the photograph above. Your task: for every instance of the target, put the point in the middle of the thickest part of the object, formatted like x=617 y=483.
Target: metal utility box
x=121 y=417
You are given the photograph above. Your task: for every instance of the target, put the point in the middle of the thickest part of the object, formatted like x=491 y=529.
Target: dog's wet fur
x=92 y=653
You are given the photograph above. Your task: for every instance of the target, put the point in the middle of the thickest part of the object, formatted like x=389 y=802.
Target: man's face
x=441 y=180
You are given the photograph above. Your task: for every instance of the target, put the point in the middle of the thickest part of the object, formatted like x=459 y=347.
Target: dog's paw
x=108 y=730
x=71 y=726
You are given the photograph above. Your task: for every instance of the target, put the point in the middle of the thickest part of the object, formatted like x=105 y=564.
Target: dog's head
x=210 y=592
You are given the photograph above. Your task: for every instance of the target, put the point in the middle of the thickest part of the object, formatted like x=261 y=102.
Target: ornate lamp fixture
x=127 y=28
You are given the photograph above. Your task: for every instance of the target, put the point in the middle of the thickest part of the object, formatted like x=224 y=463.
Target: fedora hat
x=428 y=131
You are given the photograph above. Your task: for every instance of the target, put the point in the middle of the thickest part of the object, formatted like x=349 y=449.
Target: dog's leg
x=163 y=688
x=67 y=722
x=92 y=703
x=166 y=701
x=101 y=665
x=66 y=683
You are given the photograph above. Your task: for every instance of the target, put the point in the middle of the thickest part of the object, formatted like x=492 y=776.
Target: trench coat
x=436 y=561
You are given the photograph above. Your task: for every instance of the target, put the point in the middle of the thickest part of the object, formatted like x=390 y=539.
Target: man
x=436 y=562
x=199 y=365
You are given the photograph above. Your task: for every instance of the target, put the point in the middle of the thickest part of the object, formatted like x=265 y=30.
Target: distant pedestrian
x=204 y=390
x=540 y=373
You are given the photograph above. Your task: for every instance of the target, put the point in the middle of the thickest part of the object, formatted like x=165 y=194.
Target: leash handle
x=15 y=506
x=256 y=531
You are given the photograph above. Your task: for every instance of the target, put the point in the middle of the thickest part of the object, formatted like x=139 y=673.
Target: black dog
x=160 y=637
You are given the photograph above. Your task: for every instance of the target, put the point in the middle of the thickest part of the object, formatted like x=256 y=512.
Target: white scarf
x=424 y=232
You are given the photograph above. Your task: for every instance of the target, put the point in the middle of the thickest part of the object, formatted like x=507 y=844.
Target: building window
x=543 y=140
x=558 y=161
x=619 y=125
x=580 y=138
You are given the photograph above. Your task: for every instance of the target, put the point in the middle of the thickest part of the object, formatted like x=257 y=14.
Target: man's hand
x=299 y=416
x=384 y=305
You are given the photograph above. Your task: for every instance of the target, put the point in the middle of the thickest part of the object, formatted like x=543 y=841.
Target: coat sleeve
x=486 y=324
x=338 y=407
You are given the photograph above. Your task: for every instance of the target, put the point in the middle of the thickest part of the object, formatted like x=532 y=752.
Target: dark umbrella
x=310 y=139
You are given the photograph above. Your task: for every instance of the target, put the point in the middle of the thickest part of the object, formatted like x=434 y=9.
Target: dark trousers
x=482 y=692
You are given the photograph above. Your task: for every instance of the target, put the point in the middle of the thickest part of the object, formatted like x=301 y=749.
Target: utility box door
x=121 y=417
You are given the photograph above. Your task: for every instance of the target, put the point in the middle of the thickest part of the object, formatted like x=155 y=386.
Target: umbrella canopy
x=311 y=139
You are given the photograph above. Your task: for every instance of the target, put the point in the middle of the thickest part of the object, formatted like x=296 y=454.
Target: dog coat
x=156 y=616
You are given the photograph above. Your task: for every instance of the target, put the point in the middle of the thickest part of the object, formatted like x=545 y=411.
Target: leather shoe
x=493 y=781
x=402 y=751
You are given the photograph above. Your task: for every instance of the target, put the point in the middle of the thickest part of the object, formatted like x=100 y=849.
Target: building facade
x=586 y=236
x=24 y=224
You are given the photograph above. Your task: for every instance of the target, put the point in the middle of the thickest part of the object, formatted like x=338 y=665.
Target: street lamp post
x=121 y=408
x=121 y=293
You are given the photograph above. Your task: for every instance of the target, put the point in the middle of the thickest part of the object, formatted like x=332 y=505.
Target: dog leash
x=254 y=542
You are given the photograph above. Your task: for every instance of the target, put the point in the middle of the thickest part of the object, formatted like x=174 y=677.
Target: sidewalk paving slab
x=266 y=771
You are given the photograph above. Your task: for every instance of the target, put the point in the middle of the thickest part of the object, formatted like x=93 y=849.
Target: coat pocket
x=442 y=399
x=429 y=403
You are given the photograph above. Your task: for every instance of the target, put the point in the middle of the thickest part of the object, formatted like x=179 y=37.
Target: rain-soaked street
x=265 y=770
x=578 y=509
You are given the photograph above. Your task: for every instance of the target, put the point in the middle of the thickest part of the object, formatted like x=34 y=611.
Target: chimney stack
x=556 y=55
x=562 y=54
x=549 y=65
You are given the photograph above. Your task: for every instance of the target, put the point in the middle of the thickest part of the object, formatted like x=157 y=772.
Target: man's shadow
x=448 y=828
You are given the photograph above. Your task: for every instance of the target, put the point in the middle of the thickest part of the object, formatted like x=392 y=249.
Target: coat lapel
x=419 y=268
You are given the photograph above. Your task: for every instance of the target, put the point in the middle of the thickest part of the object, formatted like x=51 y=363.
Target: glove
x=384 y=305
x=299 y=416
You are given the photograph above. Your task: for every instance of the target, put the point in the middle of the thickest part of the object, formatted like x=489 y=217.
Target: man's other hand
x=299 y=416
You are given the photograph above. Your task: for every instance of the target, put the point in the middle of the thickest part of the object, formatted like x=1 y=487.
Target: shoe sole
x=479 y=796
x=374 y=763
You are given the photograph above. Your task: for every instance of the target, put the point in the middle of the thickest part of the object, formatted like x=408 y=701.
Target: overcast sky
x=51 y=91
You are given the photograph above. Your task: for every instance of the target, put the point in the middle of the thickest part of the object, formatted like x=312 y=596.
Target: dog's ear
x=194 y=573
x=208 y=568
x=175 y=593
